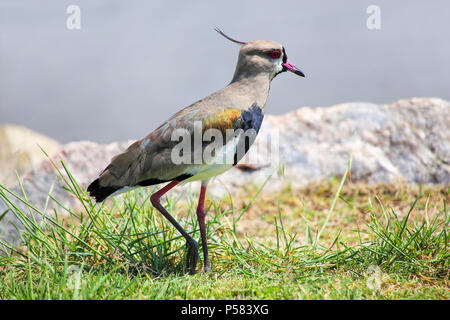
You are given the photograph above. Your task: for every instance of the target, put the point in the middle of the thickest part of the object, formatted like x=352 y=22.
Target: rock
x=83 y=160
x=406 y=141
x=20 y=152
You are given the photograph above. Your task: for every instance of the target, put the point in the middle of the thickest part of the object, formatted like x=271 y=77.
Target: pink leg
x=201 y=215
x=158 y=194
x=192 y=254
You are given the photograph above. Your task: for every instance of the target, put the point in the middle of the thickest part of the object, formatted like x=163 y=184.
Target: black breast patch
x=250 y=123
x=252 y=118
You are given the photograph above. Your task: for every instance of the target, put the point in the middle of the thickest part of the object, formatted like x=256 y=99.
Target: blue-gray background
x=135 y=63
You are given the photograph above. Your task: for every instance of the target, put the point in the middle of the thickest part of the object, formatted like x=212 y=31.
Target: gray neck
x=251 y=89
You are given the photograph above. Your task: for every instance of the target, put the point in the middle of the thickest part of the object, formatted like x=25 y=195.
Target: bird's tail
x=119 y=174
x=100 y=193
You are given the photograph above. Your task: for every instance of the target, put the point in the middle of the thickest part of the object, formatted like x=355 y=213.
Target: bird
x=183 y=150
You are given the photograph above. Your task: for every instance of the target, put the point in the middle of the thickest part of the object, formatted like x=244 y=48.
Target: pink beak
x=290 y=67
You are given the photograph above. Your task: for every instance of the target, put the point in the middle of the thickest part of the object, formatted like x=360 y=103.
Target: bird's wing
x=149 y=160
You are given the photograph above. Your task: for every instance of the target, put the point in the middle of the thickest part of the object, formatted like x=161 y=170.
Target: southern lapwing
x=234 y=112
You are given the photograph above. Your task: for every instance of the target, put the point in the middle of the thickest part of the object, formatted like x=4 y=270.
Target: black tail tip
x=98 y=192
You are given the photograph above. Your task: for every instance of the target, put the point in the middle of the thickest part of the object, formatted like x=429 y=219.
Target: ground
x=331 y=240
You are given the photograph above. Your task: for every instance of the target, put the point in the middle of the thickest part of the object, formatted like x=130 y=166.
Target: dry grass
x=311 y=204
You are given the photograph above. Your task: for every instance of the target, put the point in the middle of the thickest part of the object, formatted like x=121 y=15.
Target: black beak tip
x=299 y=73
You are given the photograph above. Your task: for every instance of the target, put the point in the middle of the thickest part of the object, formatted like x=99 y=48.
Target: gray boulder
x=20 y=152
x=407 y=141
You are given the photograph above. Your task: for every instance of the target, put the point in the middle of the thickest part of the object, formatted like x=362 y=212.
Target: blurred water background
x=135 y=63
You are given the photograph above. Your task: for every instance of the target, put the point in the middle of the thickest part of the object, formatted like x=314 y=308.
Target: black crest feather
x=228 y=37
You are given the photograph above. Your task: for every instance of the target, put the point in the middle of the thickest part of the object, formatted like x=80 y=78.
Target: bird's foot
x=207 y=268
x=192 y=256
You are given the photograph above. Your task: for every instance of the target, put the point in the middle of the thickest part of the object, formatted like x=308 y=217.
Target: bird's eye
x=275 y=54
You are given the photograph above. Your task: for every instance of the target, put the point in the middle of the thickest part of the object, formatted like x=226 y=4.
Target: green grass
x=327 y=241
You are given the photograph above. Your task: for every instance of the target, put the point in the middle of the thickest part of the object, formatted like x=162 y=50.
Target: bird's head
x=261 y=57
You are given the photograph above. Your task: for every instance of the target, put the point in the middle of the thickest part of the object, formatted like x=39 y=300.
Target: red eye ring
x=275 y=54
